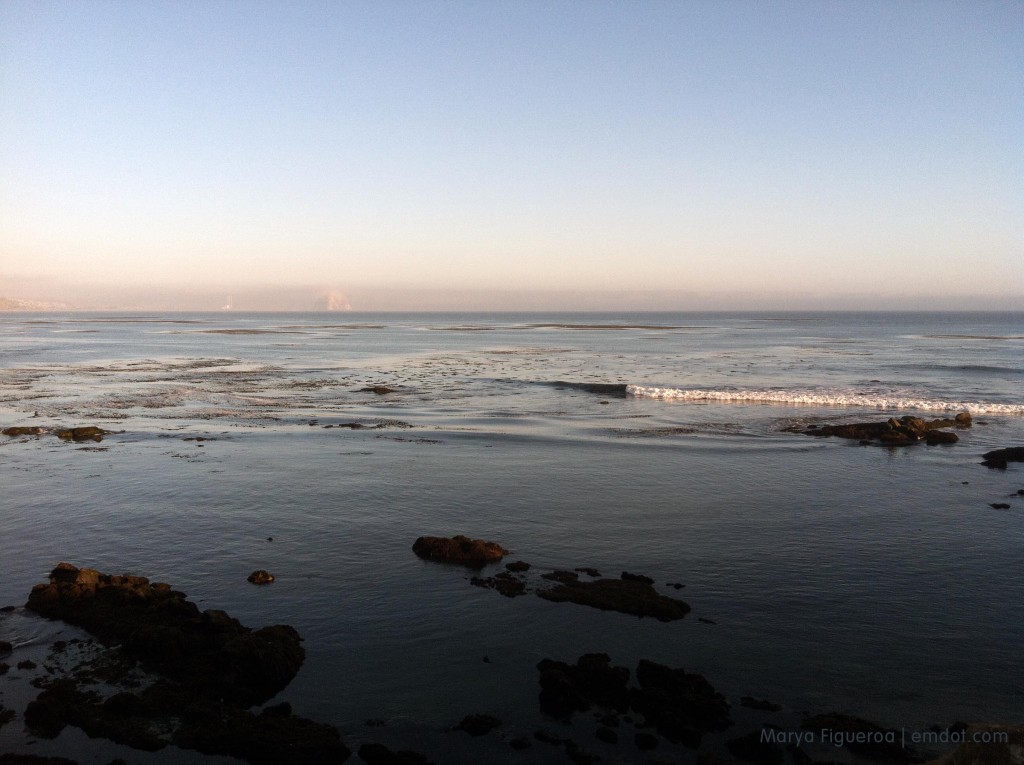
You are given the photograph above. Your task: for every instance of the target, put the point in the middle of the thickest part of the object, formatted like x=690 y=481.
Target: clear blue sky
x=714 y=146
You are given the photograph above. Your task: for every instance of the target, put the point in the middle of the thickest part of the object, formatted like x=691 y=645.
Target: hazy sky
x=708 y=146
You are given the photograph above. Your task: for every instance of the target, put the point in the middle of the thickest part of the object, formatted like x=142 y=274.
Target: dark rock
x=626 y=576
x=996 y=505
x=210 y=652
x=209 y=726
x=4 y=668
x=682 y=706
x=89 y=433
x=478 y=725
x=622 y=595
x=6 y=715
x=5 y=648
x=261 y=577
x=893 y=432
x=459 y=549
x=22 y=431
x=766 y=706
x=547 y=737
x=981 y=747
x=560 y=576
x=55 y=708
x=378 y=754
x=374 y=722
x=675 y=585
x=579 y=755
x=999 y=457
x=862 y=736
x=608 y=735
x=349 y=425
x=520 y=743
x=27 y=664
x=508 y=585
x=567 y=688
x=589 y=571
x=751 y=748
x=645 y=742
x=272 y=736
x=518 y=566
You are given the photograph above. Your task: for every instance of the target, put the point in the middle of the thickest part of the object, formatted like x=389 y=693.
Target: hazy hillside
x=14 y=304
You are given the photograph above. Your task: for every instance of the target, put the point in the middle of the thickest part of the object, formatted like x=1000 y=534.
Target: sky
x=652 y=154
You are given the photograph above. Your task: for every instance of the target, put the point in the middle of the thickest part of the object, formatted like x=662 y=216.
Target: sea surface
x=823 y=575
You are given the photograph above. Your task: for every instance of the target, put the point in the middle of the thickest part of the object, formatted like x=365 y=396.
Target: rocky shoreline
x=160 y=672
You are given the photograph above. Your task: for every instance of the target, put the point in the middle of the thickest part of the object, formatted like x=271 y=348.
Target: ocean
x=823 y=574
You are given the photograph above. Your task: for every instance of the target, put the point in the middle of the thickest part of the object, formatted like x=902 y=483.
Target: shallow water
x=873 y=581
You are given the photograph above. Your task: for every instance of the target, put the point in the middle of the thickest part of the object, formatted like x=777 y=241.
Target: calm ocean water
x=872 y=581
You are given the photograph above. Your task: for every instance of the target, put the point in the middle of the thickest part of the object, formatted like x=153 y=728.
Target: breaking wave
x=823 y=398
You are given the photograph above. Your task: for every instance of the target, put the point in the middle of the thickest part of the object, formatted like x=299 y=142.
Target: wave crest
x=822 y=398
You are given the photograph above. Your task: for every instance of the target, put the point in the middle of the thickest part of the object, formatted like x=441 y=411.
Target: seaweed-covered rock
x=459 y=549
x=88 y=433
x=380 y=390
x=682 y=706
x=214 y=654
x=22 y=431
x=628 y=596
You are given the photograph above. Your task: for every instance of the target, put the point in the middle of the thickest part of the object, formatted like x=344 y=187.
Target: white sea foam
x=823 y=398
